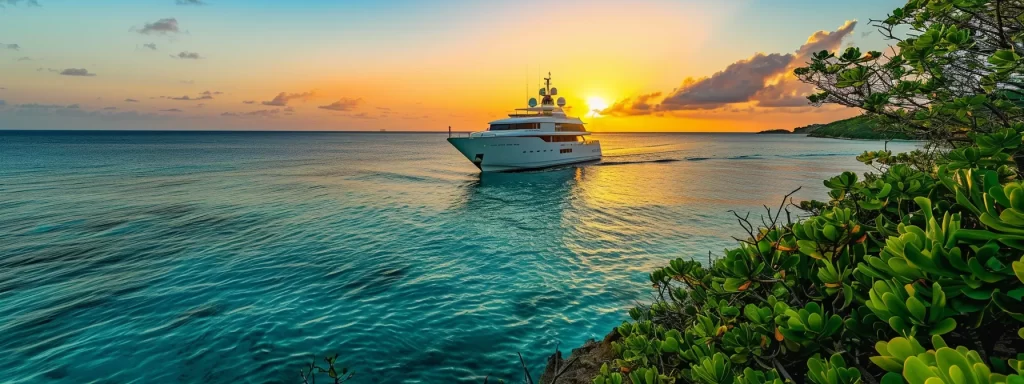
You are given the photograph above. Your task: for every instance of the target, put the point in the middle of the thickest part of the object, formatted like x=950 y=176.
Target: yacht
x=530 y=138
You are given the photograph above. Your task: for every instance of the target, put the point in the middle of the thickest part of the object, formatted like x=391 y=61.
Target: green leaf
x=901 y=348
x=938 y=303
x=1018 y=269
x=888 y=363
x=949 y=360
x=1004 y=58
x=670 y=345
x=943 y=327
x=733 y=284
x=830 y=232
x=916 y=371
x=814 y=322
x=916 y=308
x=892 y=378
x=833 y=325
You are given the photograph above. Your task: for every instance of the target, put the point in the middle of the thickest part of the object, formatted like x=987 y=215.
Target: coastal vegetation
x=859 y=127
x=773 y=131
x=911 y=273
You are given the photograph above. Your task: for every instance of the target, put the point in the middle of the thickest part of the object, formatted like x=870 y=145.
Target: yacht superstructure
x=534 y=137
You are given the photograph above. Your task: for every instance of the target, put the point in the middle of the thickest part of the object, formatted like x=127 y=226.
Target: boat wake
x=606 y=163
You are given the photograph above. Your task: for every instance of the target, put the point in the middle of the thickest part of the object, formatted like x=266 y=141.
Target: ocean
x=161 y=257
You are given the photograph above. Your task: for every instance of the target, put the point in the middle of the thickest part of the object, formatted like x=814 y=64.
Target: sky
x=640 y=65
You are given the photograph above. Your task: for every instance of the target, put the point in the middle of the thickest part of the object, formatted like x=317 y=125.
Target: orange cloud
x=283 y=98
x=763 y=79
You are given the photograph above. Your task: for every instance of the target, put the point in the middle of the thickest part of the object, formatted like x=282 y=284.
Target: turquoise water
x=232 y=257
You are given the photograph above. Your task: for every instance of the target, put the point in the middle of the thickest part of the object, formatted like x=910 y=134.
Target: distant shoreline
x=860 y=127
x=2 y=131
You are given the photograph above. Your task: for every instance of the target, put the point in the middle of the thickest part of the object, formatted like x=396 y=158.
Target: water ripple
x=227 y=257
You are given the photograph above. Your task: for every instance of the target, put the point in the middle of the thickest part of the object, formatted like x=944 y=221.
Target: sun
x=595 y=104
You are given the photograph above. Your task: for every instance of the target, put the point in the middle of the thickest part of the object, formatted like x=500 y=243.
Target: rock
x=589 y=359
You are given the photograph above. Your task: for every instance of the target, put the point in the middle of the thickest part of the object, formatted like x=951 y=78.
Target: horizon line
x=318 y=131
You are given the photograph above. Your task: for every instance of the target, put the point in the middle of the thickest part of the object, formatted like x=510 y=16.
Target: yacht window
x=560 y=139
x=564 y=127
x=511 y=127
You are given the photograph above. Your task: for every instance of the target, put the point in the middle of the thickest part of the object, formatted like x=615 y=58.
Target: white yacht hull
x=511 y=153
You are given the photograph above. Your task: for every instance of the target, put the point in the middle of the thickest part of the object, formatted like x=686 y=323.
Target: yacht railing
x=527 y=113
x=457 y=134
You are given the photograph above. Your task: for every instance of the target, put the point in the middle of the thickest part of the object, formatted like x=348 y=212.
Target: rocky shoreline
x=582 y=364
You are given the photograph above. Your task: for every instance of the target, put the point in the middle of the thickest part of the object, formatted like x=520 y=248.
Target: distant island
x=774 y=131
x=860 y=127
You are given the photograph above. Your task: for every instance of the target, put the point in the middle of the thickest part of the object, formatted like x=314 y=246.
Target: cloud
x=283 y=98
x=824 y=41
x=151 y=46
x=260 y=113
x=189 y=82
x=47 y=106
x=202 y=96
x=640 y=105
x=187 y=55
x=76 y=112
x=131 y=101
x=735 y=84
x=175 y=110
x=76 y=72
x=208 y=93
x=343 y=104
x=13 y=47
x=361 y=115
x=160 y=27
x=30 y=3
x=764 y=79
x=790 y=91
x=24 y=58
x=189 y=2
x=249 y=102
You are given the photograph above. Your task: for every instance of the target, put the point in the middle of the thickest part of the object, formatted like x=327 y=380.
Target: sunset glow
x=595 y=104
x=409 y=65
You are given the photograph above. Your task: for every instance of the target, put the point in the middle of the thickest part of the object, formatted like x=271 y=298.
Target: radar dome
x=554 y=91
x=561 y=100
x=533 y=102
x=543 y=92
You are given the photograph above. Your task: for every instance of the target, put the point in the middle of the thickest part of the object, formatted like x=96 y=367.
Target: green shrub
x=889 y=263
x=913 y=273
